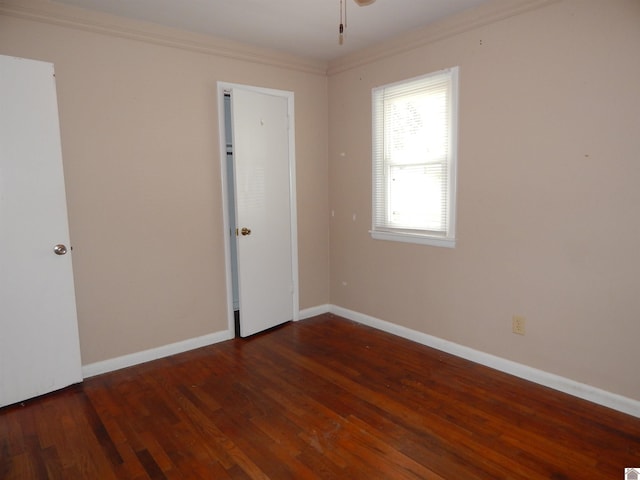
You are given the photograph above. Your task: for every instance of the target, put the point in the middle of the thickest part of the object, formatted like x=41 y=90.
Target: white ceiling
x=307 y=28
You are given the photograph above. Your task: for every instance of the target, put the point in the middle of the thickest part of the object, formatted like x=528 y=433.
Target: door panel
x=263 y=206
x=39 y=347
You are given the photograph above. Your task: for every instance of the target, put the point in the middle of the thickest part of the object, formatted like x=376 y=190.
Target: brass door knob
x=245 y=231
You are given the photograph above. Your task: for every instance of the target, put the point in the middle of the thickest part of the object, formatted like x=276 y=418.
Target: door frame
x=225 y=87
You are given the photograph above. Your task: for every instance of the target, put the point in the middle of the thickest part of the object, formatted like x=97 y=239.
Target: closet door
x=265 y=203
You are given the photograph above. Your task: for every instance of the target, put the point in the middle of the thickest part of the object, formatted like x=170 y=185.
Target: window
x=414 y=159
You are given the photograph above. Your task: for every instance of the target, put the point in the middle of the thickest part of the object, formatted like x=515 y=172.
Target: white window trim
x=419 y=236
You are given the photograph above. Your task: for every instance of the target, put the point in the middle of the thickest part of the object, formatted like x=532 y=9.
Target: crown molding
x=488 y=13
x=46 y=11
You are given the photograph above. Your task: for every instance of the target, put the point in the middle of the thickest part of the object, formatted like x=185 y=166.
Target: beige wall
x=139 y=126
x=549 y=174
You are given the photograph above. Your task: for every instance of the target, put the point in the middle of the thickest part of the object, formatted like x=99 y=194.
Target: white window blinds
x=414 y=159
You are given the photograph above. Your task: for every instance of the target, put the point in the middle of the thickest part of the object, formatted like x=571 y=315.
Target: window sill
x=414 y=238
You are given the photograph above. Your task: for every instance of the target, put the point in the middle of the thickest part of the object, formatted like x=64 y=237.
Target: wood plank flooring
x=323 y=398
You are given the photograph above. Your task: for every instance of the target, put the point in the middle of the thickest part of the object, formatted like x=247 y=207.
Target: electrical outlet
x=518 y=324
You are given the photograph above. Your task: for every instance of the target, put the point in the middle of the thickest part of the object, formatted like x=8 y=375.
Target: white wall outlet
x=518 y=323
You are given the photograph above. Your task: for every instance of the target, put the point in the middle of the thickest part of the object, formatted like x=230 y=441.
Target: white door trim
x=222 y=88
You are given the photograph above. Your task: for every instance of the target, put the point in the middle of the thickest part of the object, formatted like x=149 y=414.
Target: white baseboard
x=313 y=311
x=566 y=385
x=117 y=363
x=136 y=358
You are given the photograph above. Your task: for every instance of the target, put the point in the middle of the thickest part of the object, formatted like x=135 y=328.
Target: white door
x=39 y=347
x=264 y=187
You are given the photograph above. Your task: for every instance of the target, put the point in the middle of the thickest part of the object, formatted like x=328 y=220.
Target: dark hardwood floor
x=323 y=398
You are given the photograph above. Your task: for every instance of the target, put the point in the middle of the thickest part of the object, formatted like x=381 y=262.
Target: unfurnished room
x=319 y=239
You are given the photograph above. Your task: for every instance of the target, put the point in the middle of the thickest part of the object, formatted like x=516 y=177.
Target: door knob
x=245 y=231
x=59 y=249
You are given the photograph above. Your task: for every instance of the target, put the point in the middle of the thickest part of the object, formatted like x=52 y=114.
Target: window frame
x=446 y=238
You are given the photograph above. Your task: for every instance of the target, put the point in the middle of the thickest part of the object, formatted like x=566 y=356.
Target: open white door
x=39 y=347
x=265 y=207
